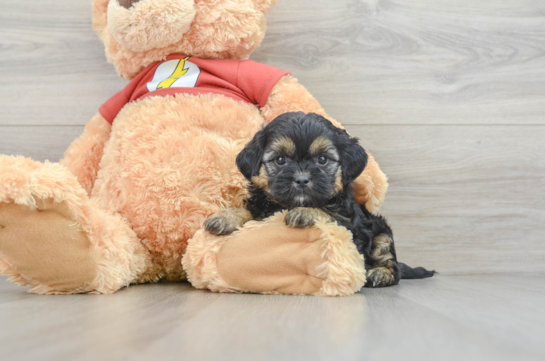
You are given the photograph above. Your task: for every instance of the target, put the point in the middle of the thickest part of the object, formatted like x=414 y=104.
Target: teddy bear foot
x=53 y=237
x=270 y=257
x=45 y=247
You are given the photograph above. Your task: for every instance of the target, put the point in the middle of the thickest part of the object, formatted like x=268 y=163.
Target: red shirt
x=245 y=80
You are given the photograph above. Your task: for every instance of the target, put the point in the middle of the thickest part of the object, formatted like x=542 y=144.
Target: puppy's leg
x=303 y=217
x=227 y=221
x=382 y=268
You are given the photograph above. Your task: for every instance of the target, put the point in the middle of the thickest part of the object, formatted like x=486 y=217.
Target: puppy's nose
x=302 y=180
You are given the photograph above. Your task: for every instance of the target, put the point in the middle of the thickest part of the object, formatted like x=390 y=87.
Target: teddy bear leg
x=270 y=257
x=54 y=238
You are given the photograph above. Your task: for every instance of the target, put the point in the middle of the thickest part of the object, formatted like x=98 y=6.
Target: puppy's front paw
x=379 y=277
x=219 y=225
x=227 y=221
x=302 y=217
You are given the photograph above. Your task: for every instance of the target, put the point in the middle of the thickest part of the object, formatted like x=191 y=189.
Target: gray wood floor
x=492 y=317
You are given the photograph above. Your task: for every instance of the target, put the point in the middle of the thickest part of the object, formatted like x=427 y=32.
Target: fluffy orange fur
x=83 y=156
x=343 y=267
x=170 y=164
x=222 y=29
x=144 y=26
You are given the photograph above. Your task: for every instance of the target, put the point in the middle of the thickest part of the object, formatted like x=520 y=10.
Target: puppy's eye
x=280 y=160
x=322 y=160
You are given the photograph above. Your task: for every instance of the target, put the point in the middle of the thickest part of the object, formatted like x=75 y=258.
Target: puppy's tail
x=409 y=273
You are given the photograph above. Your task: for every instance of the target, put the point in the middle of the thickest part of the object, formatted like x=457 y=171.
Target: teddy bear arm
x=290 y=96
x=83 y=156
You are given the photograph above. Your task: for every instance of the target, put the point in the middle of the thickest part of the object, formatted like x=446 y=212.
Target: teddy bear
x=129 y=199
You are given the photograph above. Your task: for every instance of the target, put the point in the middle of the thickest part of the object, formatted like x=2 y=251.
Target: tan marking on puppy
x=381 y=249
x=303 y=217
x=262 y=179
x=227 y=221
x=339 y=181
x=320 y=145
x=284 y=146
x=383 y=274
x=380 y=276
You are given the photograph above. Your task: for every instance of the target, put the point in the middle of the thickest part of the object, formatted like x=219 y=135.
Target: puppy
x=304 y=164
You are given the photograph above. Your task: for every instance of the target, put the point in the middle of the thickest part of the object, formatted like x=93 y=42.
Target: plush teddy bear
x=159 y=158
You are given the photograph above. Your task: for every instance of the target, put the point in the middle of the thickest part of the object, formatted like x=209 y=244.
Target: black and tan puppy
x=303 y=163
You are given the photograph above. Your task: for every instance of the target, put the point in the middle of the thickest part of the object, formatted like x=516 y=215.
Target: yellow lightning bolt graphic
x=178 y=73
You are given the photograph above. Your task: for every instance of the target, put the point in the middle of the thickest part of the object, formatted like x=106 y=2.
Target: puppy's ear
x=354 y=159
x=249 y=160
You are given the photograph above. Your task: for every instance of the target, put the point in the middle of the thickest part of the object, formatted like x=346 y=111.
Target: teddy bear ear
x=100 y=21
x=265 y=5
